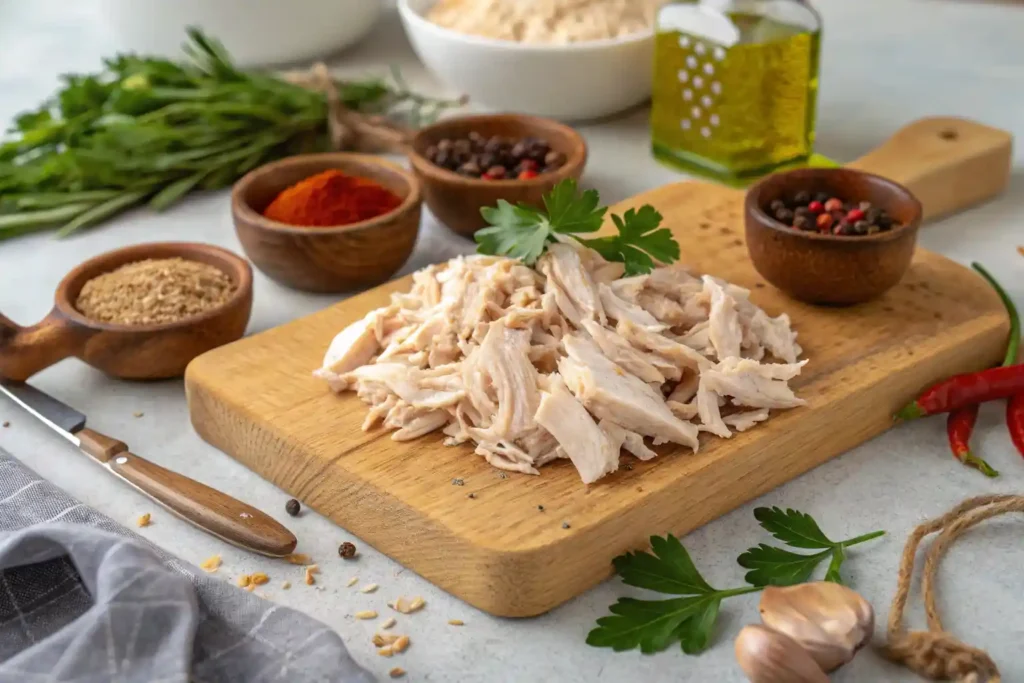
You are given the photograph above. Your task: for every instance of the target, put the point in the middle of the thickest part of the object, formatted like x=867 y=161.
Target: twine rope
x=935 y=653
x=348 y=129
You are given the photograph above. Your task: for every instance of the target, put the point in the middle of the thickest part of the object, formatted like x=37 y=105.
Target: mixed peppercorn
x=826 y=214
x=495 y=158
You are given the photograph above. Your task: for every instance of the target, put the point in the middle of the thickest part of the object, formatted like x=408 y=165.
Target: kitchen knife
x=208 y=509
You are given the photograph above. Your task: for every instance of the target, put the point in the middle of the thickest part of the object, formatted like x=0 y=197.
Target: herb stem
x=861 y=539
x=739 y=591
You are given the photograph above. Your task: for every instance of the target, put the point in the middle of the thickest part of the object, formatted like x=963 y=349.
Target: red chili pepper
x=959 y=426
x=964 y=390
x=987 y=385
x=1015 y=420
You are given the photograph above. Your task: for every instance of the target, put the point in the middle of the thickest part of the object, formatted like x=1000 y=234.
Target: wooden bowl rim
x=574 y=160
x=752 y=207
x=240 y=271
x=345 y=161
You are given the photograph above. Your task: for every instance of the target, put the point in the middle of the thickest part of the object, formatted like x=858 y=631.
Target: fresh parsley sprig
x=771 y=566
x=653 y=625
x=523 y=232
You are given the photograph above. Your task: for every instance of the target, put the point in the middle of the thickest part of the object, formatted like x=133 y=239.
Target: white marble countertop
x=885 y=63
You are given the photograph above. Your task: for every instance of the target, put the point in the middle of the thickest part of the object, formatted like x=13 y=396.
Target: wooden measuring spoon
x=128 y=352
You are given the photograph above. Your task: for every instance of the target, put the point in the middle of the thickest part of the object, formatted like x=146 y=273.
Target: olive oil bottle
x=735 y=86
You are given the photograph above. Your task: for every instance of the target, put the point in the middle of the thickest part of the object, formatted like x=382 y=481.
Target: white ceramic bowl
x=255 y=32
x=568 y=82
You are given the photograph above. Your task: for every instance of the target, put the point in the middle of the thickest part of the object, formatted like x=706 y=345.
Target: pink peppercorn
x=816 y=207
x=834 y=205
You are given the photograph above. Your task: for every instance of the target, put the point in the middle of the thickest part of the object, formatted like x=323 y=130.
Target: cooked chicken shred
x=565 y=360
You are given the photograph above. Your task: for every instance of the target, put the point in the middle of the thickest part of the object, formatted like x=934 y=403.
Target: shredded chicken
x=566 y=361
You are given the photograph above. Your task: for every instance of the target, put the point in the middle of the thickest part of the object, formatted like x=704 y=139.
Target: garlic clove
x=767 y=656
x=827 y=619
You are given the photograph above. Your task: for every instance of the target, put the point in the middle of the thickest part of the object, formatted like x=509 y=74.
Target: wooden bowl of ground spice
x=142 y=312
x=328 y=222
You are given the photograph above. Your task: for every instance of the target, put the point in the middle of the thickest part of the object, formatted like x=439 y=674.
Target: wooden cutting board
x=525 y=544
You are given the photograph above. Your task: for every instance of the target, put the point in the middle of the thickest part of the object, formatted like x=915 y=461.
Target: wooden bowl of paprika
x=328 y=223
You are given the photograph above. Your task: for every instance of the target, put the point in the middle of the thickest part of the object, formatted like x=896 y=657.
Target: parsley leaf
x=640 y=241
x=569 y=213
x=653 y=625
x=517 y=232
x=792 y=527
x=778 y=567
x=523 y=232
x=669 y=570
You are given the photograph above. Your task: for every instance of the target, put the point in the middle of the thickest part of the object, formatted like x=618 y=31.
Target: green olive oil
x=734 y=112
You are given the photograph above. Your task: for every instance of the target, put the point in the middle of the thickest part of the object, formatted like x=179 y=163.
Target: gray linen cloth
x=84 y=599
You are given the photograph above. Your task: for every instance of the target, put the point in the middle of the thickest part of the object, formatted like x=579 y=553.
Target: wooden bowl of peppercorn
x=318 y=256
x=853 y=252
x=470 y=162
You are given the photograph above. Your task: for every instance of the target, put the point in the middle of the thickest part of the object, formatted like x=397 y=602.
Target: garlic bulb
x=767 y=656
x=828 y=620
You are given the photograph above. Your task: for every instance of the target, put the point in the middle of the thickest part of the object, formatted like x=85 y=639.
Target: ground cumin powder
x=154 y=291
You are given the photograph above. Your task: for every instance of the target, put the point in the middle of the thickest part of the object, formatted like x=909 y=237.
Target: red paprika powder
x=331 y=198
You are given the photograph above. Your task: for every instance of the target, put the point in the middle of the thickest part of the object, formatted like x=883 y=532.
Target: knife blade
x=60 y=417
x=206 y=508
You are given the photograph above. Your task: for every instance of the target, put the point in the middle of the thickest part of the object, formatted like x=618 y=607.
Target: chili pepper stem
x=911 y=411
x=971 y=460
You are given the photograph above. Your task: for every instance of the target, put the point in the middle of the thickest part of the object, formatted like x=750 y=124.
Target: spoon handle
x=208 y=509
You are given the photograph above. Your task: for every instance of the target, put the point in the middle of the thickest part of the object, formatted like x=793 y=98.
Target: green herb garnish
x=773 y=566
x=523 y=232
x=653 y=625
x=151 y=131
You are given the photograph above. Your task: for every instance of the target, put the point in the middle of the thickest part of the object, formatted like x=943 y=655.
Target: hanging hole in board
x=948 y=134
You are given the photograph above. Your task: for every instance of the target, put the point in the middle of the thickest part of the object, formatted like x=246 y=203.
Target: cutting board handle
x=24 y=351
x=948 y=163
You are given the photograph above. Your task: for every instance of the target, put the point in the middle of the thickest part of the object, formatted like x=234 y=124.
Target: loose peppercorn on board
x=257 y=400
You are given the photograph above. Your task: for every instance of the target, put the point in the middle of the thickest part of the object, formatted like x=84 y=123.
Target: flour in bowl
x=546 y=21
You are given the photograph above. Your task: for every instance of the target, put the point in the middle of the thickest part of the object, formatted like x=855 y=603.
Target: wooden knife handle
x=210 y=510
x=948 y=163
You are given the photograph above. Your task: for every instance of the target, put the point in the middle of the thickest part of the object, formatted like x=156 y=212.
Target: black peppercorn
x=802 y=211
x=431 y=152
x=443 y=158
x=777 y=205
x=784 y=216
x=821 y=197
x=445 y=145
x=347 y=550
x=803 y=223
x=477 y=139
x=883 y=221
x=292 y=507
x=494 y=145
x=496 y=172
x=470 y=168
x=861 y=227
x=803 y=197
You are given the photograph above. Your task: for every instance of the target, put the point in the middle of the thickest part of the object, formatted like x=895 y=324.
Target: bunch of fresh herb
x=523 y=232
x=653 y=625
x=152 y=130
